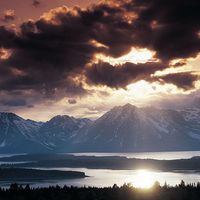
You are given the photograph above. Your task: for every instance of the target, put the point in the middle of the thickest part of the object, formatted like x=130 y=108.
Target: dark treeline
x=125 y=192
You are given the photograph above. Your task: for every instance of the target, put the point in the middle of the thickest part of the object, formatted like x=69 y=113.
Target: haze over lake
x=148 y=155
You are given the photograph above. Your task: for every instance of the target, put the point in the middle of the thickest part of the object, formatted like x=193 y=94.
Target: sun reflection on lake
x=143 y=179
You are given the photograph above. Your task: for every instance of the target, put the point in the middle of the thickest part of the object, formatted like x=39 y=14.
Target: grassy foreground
x=126 y=192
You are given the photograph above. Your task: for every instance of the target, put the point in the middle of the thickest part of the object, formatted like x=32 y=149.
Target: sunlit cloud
x=8 y=15
x=97 y=44
x=134 y=56
x=4 y=54
x=52 y=16
x=51 y=55
x=181 y=65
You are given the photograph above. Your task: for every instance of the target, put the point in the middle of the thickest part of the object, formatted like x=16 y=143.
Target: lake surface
x=138 y=178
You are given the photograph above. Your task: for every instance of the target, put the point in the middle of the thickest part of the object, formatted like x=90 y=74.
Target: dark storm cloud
x=7 y=37
x=13 y=102
x=74 y=88
x=52 y=53
x=170 y=27
x=44 y=59
x=122 y=75
x=185 y=80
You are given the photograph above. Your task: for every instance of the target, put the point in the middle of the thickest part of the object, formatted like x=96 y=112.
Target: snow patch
x=194 y=135
x=3 y=144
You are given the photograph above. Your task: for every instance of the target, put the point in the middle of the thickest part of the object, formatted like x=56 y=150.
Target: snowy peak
x=129 y=128
x=9 y=116
x=58 y=131
x=11 y=120
x=122 y=129
x=128 y=106
x=67 y=123
x=65 y=120
x=16 y=132
x=20 y=135
x=119 y=112
x=191 y=115
x=61 y=118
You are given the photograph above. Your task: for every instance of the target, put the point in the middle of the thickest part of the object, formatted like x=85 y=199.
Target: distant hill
x=122 y=129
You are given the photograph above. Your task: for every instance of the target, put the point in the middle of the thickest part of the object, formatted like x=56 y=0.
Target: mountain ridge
x=122 y=129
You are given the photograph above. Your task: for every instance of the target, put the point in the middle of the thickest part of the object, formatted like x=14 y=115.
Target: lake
x=138 y=178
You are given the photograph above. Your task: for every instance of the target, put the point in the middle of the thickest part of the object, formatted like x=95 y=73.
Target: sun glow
x=134 y=56
x=143 y=179
x=4 y=54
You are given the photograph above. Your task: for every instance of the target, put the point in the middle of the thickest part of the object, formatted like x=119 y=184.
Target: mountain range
x=122 y=129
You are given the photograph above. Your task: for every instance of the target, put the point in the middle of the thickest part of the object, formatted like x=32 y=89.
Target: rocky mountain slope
x=27 y=136
x=128 y=128
x=122 y=129
x=18 y=134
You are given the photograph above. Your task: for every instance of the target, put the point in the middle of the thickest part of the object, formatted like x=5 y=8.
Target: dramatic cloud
x=54 y=55
x=169 y=27
x=7 y=38
x=13 y=102
x=8 y=15
x=121 y=75
x=185 y=80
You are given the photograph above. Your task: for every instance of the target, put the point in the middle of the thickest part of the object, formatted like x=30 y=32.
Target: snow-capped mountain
x=27 y=136
x=192 y=116
x=122 y=129
x=58 y=132
x=17 y=134
x=128 y=128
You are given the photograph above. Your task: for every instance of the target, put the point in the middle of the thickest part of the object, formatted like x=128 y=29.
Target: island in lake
x=22 y=174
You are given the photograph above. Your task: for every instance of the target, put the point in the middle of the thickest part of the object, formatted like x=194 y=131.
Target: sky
x=83 y=57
